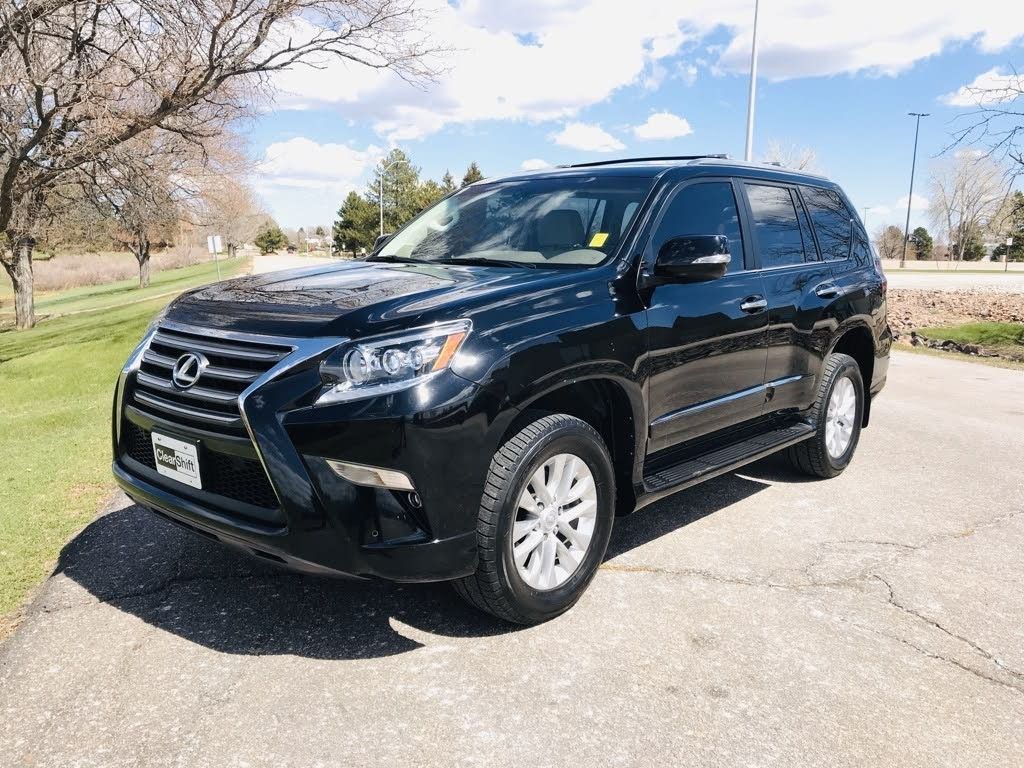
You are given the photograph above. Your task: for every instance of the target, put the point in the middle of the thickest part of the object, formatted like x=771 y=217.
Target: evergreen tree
x=270 y=238
x=1015 y=230
x=356 y=225
x=447 y=182
x=922 y=242
x=973 y=249
x=429 y=192
x=472 y=174
x=400 y=181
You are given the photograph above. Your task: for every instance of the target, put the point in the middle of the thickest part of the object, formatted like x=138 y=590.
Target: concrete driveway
x=757 y=620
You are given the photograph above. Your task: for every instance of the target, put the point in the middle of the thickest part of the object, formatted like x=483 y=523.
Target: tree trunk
x=19 y=267
x=143 y=257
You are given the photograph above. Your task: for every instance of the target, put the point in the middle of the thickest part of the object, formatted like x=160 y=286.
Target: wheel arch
x=858 y=342
x=612 y=407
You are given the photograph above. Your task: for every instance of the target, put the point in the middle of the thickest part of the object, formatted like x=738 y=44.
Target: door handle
x=827 y=290
x=753 y=304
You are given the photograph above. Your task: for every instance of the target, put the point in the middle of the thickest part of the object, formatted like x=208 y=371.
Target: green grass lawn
x=56 y=386
x=97 y=297
x=982 y=334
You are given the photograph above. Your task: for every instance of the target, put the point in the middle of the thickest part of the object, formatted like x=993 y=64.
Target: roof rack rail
x=645 y=160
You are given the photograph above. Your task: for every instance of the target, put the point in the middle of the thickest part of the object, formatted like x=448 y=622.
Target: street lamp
x=910 y=197
x=380 y=187
x=748 y=153
x=867 y=210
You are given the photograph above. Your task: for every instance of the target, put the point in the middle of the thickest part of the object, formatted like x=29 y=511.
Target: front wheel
x=544 y=521
x=838 y=412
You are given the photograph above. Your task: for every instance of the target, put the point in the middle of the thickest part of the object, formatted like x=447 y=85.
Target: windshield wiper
x=397 y=259
x=481 y=261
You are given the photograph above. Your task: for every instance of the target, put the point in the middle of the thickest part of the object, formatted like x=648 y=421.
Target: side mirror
x=381 y=239
x=692 y=259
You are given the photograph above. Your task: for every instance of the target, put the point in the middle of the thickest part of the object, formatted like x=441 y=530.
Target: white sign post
x=214 y=244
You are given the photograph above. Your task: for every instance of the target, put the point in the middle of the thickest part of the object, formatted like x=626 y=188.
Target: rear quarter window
x=832 y=220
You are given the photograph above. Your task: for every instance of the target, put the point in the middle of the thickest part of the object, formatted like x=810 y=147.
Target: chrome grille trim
x=199 y=393
x=187 y=411
x=235 y=364
x=292 y=353
x=165 y=339
x=214 y=371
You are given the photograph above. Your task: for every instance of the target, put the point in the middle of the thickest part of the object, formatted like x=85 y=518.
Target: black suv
x=477 y=399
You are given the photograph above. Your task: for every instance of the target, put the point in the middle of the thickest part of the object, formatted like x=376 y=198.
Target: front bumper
x=441 y=434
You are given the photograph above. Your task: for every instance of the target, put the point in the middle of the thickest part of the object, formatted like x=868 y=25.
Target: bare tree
x=79 y=78
x=232 y=211
x=141 y=192
x=792 y=156
x=995 y=119
x=888 y=242
x=967 y=192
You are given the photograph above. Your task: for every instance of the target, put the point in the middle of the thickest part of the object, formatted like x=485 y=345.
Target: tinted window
x=708 y=208
x=555 y=222
x=775 y=222
x=810 y=249
x=832 y=222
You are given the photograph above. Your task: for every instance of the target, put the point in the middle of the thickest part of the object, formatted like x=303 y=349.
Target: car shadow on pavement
x=213 y=596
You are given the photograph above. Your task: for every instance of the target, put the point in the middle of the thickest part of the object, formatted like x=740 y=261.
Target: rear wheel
x=838 y=413
x=544 y=521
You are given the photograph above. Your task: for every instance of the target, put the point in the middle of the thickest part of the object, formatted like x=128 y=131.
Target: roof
x=655 y=166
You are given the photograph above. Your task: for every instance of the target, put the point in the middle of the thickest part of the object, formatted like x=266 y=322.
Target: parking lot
x=759 y=619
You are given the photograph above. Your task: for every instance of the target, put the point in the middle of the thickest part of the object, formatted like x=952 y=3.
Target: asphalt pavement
x=759 y=619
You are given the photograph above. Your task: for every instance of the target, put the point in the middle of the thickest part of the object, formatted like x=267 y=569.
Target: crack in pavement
x=1009 y=677
x=987 y=655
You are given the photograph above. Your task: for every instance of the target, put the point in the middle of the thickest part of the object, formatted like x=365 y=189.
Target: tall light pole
x=867 y=210
x=910 y=197
x=748 y=153
x=380 y=187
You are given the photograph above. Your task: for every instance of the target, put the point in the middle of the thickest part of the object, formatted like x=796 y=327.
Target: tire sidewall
x=851 y=371
x=540 y=604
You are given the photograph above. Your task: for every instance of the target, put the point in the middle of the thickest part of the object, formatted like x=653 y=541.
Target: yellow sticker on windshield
x=598 y=239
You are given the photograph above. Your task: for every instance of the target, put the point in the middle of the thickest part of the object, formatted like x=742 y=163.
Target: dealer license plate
x=177 y=460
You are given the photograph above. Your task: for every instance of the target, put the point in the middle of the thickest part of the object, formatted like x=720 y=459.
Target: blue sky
x=570 y=80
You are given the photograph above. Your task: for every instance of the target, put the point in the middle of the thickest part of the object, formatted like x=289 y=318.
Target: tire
x=812 y=456
x=498 y=586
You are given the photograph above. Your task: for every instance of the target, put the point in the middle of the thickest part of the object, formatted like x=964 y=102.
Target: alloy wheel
x=554 y=522
x=840 y=417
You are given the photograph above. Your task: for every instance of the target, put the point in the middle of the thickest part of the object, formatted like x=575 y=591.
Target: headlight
x=384 y=364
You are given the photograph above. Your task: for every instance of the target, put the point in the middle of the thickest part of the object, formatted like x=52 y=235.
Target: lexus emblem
x=187 y=369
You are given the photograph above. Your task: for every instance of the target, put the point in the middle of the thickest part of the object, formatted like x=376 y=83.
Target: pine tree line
x=405 y=195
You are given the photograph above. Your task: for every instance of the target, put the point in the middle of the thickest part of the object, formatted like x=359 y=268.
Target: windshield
x=548 y=222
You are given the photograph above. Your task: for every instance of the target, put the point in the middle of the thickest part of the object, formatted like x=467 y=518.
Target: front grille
x=233 y=477
x=212 y=402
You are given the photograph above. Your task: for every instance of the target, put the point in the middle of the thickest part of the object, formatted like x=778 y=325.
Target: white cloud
x=688 y=73
x=991 y=87
x=663 y=125
x=534 y=164
x=540 y=61
x=303 y=163
x=920 y=203
x=587 y=137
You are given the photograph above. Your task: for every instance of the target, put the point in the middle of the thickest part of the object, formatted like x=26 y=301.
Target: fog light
x=374 y=477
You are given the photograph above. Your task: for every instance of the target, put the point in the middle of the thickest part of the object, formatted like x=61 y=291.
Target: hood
x=354 y=298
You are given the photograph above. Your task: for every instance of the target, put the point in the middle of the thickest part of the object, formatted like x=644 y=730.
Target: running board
x=722 y=460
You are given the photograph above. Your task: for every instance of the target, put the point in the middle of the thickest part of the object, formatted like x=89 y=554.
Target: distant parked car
x=477 y=399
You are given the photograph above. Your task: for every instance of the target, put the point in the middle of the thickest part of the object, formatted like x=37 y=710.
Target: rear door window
x=776 y=226
x=833 y=222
